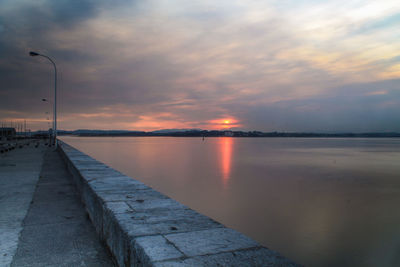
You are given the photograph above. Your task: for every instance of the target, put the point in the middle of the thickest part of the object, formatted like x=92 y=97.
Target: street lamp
x=33 y=54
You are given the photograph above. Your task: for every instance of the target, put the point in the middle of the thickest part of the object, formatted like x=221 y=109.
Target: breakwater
x=143 y=227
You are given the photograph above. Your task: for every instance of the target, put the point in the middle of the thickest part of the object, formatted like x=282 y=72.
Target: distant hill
x=175 y=130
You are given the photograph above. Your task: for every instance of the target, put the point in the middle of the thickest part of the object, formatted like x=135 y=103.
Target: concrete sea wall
x=143 y=227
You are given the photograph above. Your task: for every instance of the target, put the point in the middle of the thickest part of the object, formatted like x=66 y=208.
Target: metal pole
x=55 y=101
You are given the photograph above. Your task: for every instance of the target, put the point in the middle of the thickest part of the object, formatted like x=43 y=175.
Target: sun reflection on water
x=225 y=146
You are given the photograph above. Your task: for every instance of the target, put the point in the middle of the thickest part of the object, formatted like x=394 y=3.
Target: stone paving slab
x=117 y=184
x=143 y=227
x=100 y=174
x=164 y=204
x=244 y=258
x=125 y=195
x=156 y=248
x=210 y=241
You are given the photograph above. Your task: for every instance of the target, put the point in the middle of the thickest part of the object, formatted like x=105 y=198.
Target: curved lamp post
x=33 y=54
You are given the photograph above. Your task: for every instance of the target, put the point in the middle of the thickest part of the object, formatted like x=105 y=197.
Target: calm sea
x=318 y=201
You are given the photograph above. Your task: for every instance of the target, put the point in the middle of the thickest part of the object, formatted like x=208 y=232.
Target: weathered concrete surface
x=19 y=173
x=56 y=230
x=143 y=227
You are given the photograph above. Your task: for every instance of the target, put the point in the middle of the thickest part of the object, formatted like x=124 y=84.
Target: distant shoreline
x=94 y=133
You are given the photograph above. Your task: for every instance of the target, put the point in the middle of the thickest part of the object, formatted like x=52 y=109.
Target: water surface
x=318 y=201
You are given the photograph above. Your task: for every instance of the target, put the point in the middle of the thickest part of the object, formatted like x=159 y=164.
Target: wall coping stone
x=143 y=227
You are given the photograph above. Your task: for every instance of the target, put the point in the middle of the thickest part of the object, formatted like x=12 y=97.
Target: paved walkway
x=56 y=230
x=19 y=173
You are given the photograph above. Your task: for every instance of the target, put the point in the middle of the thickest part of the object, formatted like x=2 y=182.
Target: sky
x=278 y=65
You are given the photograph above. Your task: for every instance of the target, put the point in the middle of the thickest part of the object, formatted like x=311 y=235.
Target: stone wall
x=143 y=227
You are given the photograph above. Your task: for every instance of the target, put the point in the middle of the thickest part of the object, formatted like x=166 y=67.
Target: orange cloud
x=377 y=93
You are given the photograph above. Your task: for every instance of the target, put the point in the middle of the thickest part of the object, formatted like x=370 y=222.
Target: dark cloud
x=66 y=12
x=371 y=107
x=29 y=27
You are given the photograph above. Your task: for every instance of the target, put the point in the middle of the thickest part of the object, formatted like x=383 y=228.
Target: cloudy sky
x=278 y=65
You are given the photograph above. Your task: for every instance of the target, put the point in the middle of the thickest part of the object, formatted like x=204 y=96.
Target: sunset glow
x=220 y=124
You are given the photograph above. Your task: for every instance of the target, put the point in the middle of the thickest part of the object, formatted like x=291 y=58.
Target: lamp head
x=33 y=54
